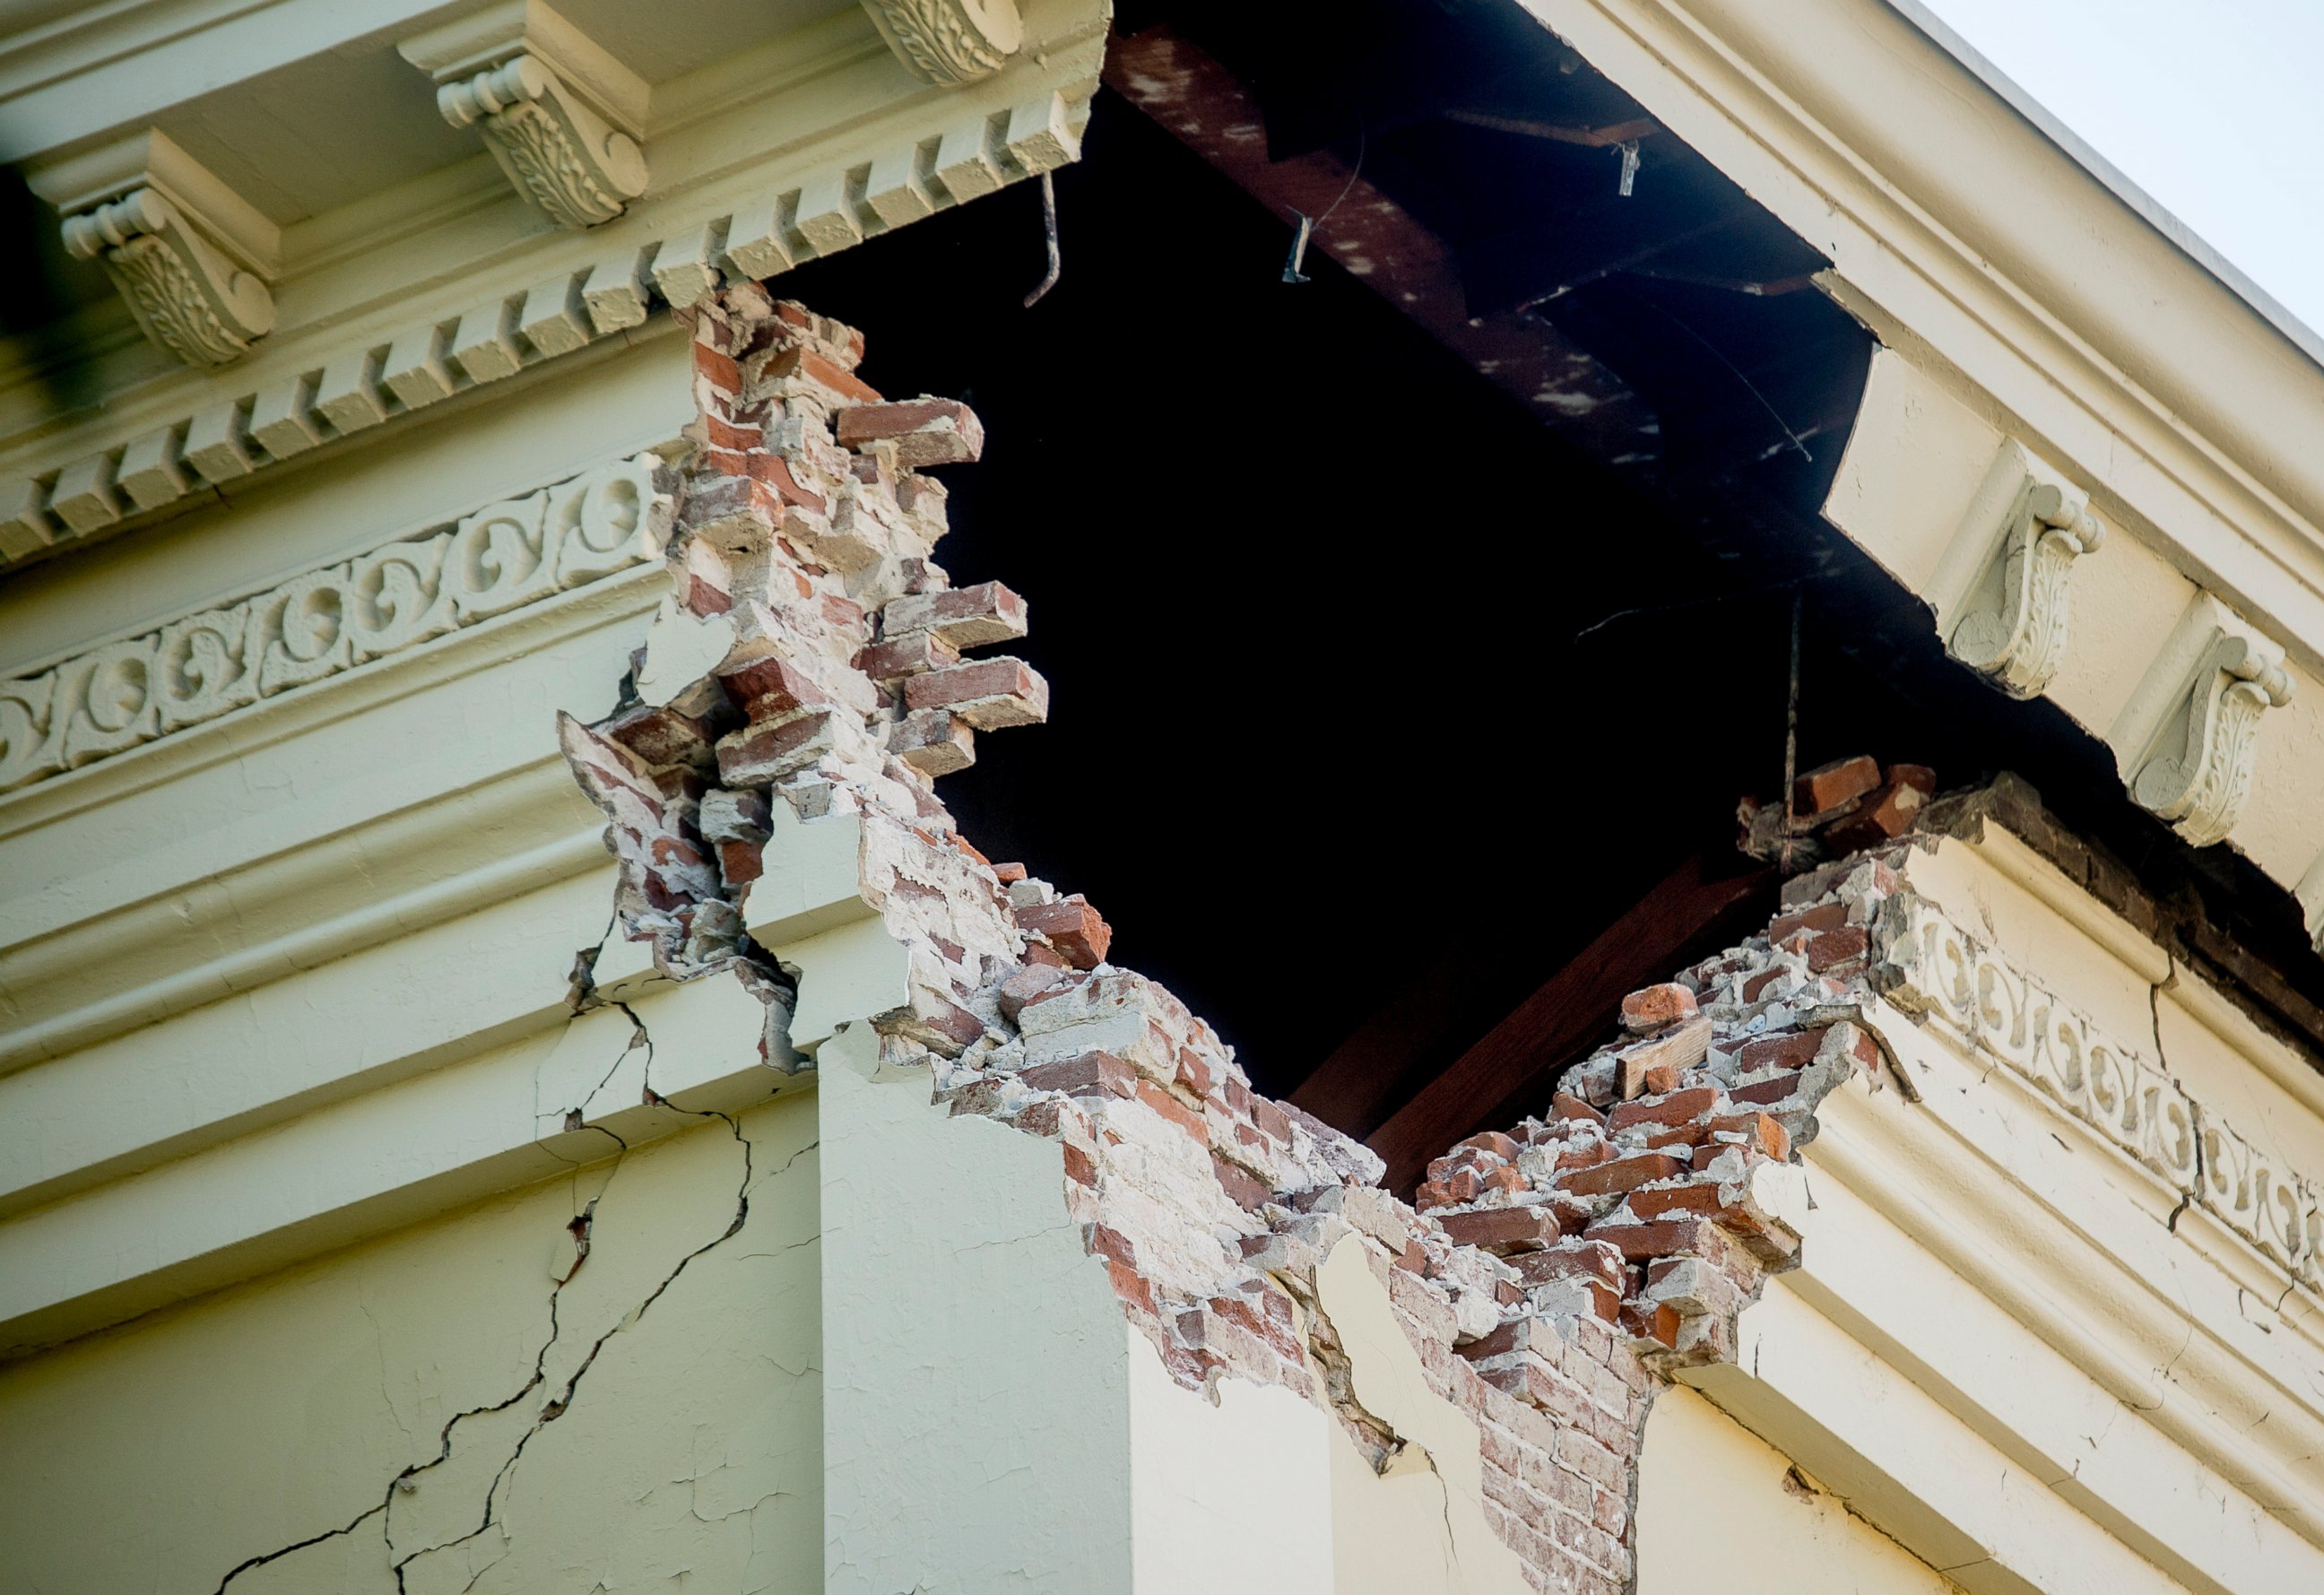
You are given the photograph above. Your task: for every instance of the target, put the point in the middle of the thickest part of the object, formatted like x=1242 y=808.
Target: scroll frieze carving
x=187 y=295
x=1929 y=967
x=2016 y=630
x=501 y=558
x=949 y=41
x=570 y=162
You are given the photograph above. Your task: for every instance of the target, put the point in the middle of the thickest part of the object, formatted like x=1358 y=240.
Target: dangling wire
x=1792 y=737
x=1308 y=227
x=1050 y=230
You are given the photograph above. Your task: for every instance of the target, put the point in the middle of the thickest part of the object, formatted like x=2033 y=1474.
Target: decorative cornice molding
x=2189 y=738
x=561 y=116
x=2015 y=610
x=189 y=256
x=1931 y=968
x=383 y=378
x=404 y=593
x=949 y=41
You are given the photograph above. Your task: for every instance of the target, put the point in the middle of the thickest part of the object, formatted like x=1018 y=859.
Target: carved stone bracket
x=949 y=41
x=2188 y=739
x=561 y=116
x=2002 y=586
x=190 y=257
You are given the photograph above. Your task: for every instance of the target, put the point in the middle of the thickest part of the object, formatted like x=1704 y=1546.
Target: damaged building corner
x=1656 y=924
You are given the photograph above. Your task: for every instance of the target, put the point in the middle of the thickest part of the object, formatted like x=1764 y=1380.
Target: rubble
x=1549 y=1277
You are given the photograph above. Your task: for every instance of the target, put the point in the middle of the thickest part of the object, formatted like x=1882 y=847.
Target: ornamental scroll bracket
x=190 y=257
x=562 y=117
x=2003 y=585
x=2188 y=740
x=948 y=42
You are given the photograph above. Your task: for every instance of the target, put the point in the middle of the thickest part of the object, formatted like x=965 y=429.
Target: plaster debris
x=1546 y=1279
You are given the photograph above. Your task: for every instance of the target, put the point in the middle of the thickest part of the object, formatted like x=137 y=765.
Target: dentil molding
x=190 y=256
x=2188 y=740
x=2016 y=613
x=949 y=41
x=561 y=116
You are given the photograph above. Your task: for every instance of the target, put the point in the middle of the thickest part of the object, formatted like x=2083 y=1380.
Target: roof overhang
x=2039 y=329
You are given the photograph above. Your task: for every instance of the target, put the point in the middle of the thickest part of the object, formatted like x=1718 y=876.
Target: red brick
x=1827 y=786
x=1652 y=1007
x=1009 y=874
x=1092 y=1073
x=988 y=694
x=1570 y=1259
x=760 y=753
x=1774 y=1088
x=742 y=863
x=965 y=617
x=1884 y=816
x=1080 y=1167
x=1506 y=1179
x=1245 y=1191
x=1566 y=1106
x=1837 y=946
x=767 y=685
x=933 y=742
x=1499 y=1229
x=1793 y=1049
x=1076 y=930
x=1919 y=777
x=1658 y=1201
x=909 y=655
x=719 y=369
x=775 y=471
x=1661 y=1239
x=803 y=362
x=1432 y=1193
x=1622 y=1175
x=1678 y=1106
x=1496 y=1143
x=1272 y=1121
x=925 y=431
x=1822 y=916
x=1175 y=1111
x=1761 y=1132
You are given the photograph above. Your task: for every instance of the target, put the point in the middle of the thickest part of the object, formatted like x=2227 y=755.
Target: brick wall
x=1550 y=1277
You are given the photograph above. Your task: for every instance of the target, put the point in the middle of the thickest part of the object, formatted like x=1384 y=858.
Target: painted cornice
x=794 y=152
x=2121 y=355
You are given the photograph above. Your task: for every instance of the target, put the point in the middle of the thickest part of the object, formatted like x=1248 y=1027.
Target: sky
x=2211 y=106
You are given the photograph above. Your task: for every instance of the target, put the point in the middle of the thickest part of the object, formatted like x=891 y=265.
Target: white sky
x=2212 y=106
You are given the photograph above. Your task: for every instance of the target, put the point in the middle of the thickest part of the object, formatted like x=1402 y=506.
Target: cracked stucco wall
x=685 y=1440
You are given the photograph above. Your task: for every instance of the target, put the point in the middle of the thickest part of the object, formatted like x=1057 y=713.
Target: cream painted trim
x=1955 y=986
x=2006 y=1193
x=405 y=592
x=1942 y=211
x=2015 y=860
x=206 y=1198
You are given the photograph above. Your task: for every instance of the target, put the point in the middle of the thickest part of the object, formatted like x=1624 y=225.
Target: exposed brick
x=1775 y=1088
x=933 y=742
x=1501 y=1229
x=1661 y=1239
x=1496 y=1143
x=1621 y=1175
x=1836 y=946
x=1246 y=1193
x=988 y=694
x=1567 y=1106
x=1760 y=1132
x=767 y=687
x=925 y=431
x=1820 y=791
x=1092 y=1073
x=964 y=617
x=1679 y=1107
x=1072 y=928
x=1175 y=1111
x=1655 y=1007
x=1820 y=916
x=1793 y=1049
x=909 y=655
x=807 y=365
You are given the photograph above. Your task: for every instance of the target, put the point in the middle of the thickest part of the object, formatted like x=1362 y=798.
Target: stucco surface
x=1718 y=1508
x=680 y=1362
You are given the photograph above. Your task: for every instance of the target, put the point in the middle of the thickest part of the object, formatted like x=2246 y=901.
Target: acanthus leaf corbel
x=562 y=118
x=190 y=257
x=2005 y=602
x=2188 y=740
x=949 y=41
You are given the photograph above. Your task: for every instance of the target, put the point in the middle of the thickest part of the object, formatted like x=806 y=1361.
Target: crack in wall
x=581 y=1226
